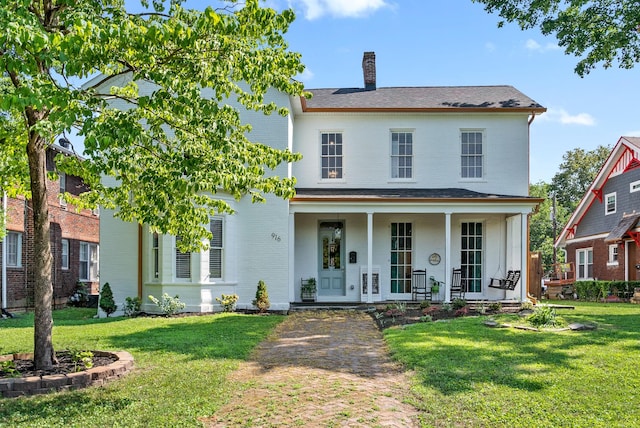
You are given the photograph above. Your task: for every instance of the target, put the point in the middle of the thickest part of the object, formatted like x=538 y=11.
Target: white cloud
x=314 y=9
x=560 y=115
x=533 y=45
x=306 y=76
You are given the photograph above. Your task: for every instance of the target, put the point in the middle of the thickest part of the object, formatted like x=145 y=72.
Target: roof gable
x=624 y=156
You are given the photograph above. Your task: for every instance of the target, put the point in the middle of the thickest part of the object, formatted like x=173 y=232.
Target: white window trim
x=634 y=186
x=606 y=203
x=613 y=249
x=18 y=238
x=328 y=179
x=90 y=262
x=410 y=179
x=482 y=131
x=64 y=255
x=586 y=251
x=221 y=248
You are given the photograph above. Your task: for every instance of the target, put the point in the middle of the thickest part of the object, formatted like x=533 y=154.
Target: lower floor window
x=471 y=256
x=584 y=258
x=401 y=250
x=88 y=261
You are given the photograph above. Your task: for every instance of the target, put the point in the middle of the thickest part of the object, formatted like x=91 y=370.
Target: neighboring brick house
x=392 y=180
x=74 y=242
x=602 y=235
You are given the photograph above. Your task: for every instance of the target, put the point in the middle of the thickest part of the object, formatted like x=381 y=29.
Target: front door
x=331 y=260
x=632 y=261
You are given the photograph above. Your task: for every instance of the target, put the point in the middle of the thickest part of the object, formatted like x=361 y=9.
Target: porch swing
x=508 y=282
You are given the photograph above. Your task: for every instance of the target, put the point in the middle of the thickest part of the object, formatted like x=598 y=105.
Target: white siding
x=436 y=148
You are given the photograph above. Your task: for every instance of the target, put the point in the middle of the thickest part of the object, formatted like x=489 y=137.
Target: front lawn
x=180 y=368
x=467 y=374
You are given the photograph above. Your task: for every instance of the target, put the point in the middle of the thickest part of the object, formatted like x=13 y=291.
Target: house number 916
x=275 y=237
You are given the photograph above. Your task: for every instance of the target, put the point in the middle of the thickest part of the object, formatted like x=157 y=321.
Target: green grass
x=180 y=372
x=467 y=374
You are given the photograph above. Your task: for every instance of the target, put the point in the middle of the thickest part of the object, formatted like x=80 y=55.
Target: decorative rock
x=581 y=327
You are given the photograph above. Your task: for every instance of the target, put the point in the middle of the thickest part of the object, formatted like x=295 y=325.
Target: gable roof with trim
x=624 y=156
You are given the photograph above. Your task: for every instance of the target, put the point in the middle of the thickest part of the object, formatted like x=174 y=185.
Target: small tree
x=106 y=300
x=262 y=297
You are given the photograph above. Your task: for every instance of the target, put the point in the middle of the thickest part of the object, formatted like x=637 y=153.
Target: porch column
x=524 y=256
x=369 y=257
x=447 y=257
x=292 y=254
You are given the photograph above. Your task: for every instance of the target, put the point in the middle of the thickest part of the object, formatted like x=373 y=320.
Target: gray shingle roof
x=450 y=98
x=448 y=193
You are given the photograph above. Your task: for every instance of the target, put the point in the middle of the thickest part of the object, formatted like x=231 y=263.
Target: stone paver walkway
x=320 y=369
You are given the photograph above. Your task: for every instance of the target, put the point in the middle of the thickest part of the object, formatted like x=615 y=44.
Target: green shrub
x=425 y=304
x=543 y=316
x=168 y=305
x=132 y=306
x=106 y=300
x=262 y=297
x=526 y=306
x=82 y=360
x=80 y=297
x=426 y=318
x=8 y=368
x=228 y=302
x=496 y=306
x=458 y=303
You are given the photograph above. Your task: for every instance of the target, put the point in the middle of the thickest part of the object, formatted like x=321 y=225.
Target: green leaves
x=597 y=31
x=163 y=118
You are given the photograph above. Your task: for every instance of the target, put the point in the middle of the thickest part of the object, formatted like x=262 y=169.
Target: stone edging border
x=96 y=376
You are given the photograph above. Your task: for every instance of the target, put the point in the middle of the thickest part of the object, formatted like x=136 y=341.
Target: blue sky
x=455 y=42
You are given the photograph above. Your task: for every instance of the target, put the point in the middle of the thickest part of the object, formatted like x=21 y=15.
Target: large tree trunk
x=43 y=287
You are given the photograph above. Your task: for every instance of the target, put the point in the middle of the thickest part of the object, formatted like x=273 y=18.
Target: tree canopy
x=602 y=32
x=167 y=152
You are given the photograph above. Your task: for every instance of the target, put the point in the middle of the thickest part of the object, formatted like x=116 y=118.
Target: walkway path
x=321 y=369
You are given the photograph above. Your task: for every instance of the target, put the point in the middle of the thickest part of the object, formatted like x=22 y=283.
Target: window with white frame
x=62 y=178
x=634 y=186
x=331 y=146
x=401 y=154
x=584 y=263
x=472 y=154
x=88 y=261
x=613 y=254
x=183 y=262
x=216 y=247
x=64 y=254
x=155 y=254
x=610 y=203
x=13 y=245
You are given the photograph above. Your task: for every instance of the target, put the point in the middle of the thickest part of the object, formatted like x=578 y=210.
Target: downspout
x=4 y=251
x=140 y=261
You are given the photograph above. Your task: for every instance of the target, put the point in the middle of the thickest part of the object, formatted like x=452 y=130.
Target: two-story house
x=74 y=242
x=602 y=235
x=392 y=180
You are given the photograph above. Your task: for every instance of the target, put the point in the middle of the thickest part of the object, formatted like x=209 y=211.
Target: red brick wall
x=600 y=258
x=65 y=223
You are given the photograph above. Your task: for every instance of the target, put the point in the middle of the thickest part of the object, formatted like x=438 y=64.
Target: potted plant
x=435 y=285
x=308 y=289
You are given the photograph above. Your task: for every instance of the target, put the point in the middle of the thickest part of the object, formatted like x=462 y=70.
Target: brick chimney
x=369 y=70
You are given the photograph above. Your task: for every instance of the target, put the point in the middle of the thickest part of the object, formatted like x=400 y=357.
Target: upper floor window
x=331 y=143
x=634 y=186
x=216 y=246
x=88 y=261
x=64 y=254
x=610 y=206
x=471 y=154
x=401 y=155
x=13 y=242
x=584 y=257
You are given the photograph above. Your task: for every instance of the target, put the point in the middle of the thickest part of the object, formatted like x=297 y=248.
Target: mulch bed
x=65 y=365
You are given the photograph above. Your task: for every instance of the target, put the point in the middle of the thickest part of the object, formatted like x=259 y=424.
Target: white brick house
x=391 y=180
